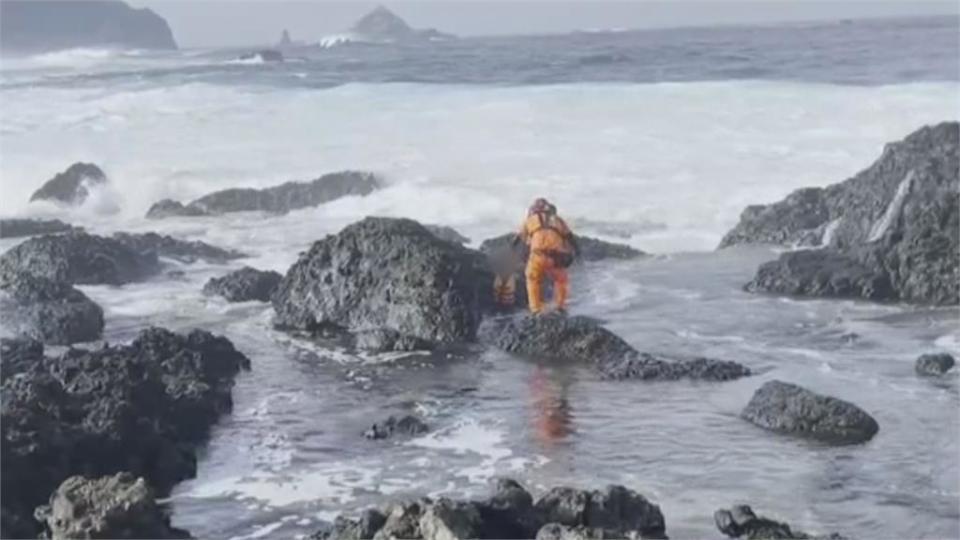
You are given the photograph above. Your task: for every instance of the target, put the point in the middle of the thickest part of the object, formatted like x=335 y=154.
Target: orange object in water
x=505 y=290
x=538 y=267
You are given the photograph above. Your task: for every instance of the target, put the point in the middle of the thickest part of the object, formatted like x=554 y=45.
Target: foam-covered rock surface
x=140 y=408
x=581 y=339
x=186 y=251
x=118 y=506
x=386 y=273
x=53 y=312
x=934 y=365
x=393 y=425
x=790 y=409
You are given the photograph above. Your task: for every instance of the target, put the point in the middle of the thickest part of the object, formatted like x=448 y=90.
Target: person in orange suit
x=552 y=251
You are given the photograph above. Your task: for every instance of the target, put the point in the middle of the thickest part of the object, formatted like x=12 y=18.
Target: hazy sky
x=211 y=23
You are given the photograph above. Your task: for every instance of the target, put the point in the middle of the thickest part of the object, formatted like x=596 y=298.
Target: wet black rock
x=72 y=185
x=934 y=364
x=387 y=340
x=364 y=527
x=80 y=258
x=615 y=512
x=263 y=55
x=404 y=425
x=582 y=339
x=169 y=208
x=18 y=355
x=276 y=200
x=118 y=506
x=591 y=249
x=740 y=521
x=387 y=273
x=53 y=312
x=140 y=408
x=17 y=227
x=244 y=285
x=893 y=230
x=187 y=251
x=822 y=273
x=790 y=409
x=447 y=233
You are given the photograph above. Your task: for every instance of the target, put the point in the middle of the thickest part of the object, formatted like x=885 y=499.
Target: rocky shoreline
x=92 y=435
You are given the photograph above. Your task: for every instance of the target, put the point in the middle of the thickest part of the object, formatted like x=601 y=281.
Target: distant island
x=383 y=26
x=41 y=26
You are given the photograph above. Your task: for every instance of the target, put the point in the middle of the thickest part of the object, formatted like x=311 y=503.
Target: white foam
x=893 y=209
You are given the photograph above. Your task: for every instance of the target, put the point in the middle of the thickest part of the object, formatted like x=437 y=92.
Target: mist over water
x=656 y=139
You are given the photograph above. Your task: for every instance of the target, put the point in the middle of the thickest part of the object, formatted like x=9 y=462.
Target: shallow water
x=661 y=155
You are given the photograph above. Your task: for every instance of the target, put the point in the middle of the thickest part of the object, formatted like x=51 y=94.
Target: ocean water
x=657 y=139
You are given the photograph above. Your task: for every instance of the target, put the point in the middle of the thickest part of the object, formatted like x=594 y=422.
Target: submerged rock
x=53 y=312
x=788 y=408
x=591 y=249
x=892 y=232
x=187 y=251
x=934 y=364
x=72 y=185
x=386 y=273
x=118 y=506
x=404 y=425
x=168 y=208
x=264 y=55
x=15 y=227
x=582 y=339
x=140 y=408
x=244 y=285
x=740 y=521
x=568 y=513
x=80 y=258
x=276 y=200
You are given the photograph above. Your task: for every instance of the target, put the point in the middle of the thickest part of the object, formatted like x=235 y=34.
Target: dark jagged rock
x=72 y=185
x=383 y=26
x=140 y=408
x=404 y=425
x=821 y=273
x=118 y=506
x=386 y=340
x=264 y=55
x=386 y=273
x=169 y=208
x=29 y=26
x=447 y=233
x=244 y=285
x=581 y=339
x=49 y=311
x=740 y=521
x=591 y=249
x=18 y=355
x=567 y=513
x=186 y=251
x=80 y=258
x=790 y=409
x=15 y=228
x=892 y=232
x=276 y=200
x=934 y=364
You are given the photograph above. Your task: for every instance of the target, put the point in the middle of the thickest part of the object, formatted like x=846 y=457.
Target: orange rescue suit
x=548 y=238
